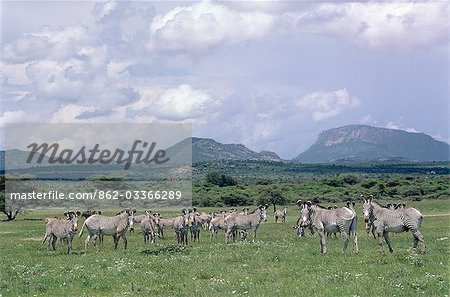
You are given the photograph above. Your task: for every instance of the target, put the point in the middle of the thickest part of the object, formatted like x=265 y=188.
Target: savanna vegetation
x=279 y=264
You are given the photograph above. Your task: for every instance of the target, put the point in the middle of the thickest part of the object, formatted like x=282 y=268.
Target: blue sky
x=270 y=75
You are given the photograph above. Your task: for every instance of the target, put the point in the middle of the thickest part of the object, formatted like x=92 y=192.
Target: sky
x=271 y=75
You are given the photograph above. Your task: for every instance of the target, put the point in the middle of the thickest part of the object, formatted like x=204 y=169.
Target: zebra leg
x=69 y=245
x=386 y=238
x=380 y=240
x=419 y=237
x=323 y=248
x=54 y=239
x=373 y=232
x=254 y=233
x=116 y=241
x=355 y=240
x=345 y=236
x=124 y=239
x=86 y=242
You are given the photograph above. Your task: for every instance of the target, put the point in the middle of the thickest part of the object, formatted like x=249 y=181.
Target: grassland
x=278 y=264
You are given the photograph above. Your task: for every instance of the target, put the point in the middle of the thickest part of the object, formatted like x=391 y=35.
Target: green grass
x=278 y=264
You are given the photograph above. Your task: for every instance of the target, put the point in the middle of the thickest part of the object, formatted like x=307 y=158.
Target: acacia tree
x=12 y=209
x=271 y=195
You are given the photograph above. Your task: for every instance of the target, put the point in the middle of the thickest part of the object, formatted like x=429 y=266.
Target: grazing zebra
x=341 y=220
x=386 y=220
x=280 y=214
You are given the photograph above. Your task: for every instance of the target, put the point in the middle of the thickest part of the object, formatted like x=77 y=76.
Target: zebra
x=280 y=214
x=181 y=226
x=196 y=224
x=329 y=234
x=116 y=226
x=234 y=222
x=334 y=220
x=61 y=228
x=299 y=224
x=244 y=211
x=397 y=221
x=217 y=223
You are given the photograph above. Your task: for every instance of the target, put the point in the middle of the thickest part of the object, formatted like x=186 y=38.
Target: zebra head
x=367 y=208
x=263 y=212
x=305 y=214
x=130 y=213
x=73 y=217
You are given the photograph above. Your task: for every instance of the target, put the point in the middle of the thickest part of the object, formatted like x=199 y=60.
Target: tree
x=13 y=208
x=221 y=180
x=271 y=195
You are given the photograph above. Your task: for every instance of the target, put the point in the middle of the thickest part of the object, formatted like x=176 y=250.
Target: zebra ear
x=308 y=203
x=353 y=203
x=66 y=214
x=299 y=201
x=78 y=213
x=348 y=204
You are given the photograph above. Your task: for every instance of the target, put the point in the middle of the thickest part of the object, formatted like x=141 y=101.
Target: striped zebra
x=400 y=220
x=341 y=220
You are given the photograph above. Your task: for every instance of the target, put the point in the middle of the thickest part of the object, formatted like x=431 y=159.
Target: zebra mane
x=378 y=203
x=253 y=211
x=320 y=206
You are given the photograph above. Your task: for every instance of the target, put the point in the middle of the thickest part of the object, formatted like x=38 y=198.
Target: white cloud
x=323 y=105
x=9 y=117
x=70 y=113
x=396 y=126
x=204 y=25
x=392 y=125
x=368 y=120
x=14 y=74
x=378 y=24
x=47 y=44
x=183 y=102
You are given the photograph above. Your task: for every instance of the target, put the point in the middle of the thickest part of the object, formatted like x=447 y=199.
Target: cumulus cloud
x=183 y=102
x=205 y=25
x=378 y=24
x=46 y=44
x=14 y=74
x=10 y=117
x=323 y=105
x=396 y=126
x=70 y=113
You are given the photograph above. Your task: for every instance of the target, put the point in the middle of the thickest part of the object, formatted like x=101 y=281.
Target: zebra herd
x=380 y=219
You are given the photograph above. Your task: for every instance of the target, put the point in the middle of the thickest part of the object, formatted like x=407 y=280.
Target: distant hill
x=360 y=143
x=206 y=149
x=17 y=159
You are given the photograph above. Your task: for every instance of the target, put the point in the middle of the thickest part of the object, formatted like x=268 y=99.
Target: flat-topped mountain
x=365 y=143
